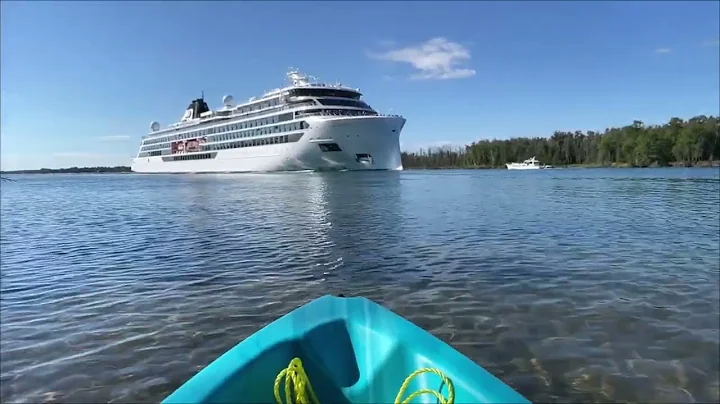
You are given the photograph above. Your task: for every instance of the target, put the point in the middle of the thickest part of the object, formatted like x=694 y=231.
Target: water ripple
x=569 y=285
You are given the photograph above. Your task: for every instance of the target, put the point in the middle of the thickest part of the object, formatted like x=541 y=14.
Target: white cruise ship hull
x=365 y=142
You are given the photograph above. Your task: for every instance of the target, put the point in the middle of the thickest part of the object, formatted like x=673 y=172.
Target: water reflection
x=570 y=285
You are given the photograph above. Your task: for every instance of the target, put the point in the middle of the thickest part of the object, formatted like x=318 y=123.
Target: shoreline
x=126 y=170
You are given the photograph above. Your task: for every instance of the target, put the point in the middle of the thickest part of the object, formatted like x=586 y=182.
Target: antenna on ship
x=202 y=94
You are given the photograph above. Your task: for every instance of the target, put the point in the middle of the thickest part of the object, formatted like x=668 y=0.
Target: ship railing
x=303 y=114
x=268 y=110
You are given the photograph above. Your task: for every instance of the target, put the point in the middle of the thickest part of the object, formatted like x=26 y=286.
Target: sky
x=81 y=81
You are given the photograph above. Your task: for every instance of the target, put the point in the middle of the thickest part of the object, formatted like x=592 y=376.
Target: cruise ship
x=307 y=125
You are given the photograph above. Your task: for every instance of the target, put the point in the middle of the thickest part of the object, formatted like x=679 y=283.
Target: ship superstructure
x=307 y=125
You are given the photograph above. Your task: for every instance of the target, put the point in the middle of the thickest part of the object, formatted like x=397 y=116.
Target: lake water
x=569 y=285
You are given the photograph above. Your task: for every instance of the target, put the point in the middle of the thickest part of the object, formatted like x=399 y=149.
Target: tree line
x=72 y=170
x=678 y=142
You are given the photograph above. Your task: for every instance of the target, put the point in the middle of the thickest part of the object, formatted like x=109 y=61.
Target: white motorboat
x=529 y=164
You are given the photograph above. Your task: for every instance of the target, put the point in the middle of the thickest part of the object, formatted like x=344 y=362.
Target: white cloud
x=437 y=58
x=663 y=50
x=711 y=42
x=114 y=138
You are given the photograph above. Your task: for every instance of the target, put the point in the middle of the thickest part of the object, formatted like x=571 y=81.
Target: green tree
x=678 y=141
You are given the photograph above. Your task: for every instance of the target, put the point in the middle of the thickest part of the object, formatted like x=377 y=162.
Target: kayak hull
x=353 y=351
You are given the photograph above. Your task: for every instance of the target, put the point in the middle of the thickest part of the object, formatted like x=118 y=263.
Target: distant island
x=693 y=142
x=686 y=143
x=72 y=170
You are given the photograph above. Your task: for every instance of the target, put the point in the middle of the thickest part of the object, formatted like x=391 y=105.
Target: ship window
x=345 y=103
x=329 y=147
x=323 y=92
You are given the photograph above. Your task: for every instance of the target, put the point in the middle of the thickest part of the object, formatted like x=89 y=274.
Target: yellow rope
x=441 y=399
x=295 y=375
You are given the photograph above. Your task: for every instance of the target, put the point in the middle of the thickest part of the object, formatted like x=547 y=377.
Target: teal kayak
x=343 y=350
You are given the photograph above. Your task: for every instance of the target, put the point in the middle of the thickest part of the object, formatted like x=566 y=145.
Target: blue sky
x=82 y=81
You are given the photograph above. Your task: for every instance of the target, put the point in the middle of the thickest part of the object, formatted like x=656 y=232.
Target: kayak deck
x=352 y=350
